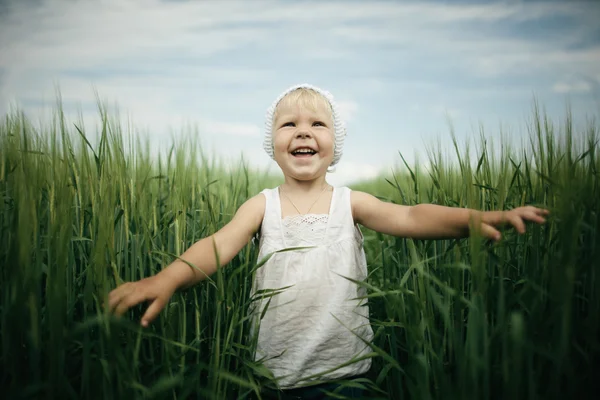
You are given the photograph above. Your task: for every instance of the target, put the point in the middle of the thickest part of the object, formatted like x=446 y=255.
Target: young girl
x=315 y=330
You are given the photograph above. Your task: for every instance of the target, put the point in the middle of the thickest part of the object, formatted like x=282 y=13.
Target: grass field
x=454 y=319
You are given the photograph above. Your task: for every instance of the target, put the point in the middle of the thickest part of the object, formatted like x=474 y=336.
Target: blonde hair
x=306 y=98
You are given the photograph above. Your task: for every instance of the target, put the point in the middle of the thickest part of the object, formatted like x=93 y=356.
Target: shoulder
x=255 y=204
x=252 y=210
x=257 y=201
x=361 y=203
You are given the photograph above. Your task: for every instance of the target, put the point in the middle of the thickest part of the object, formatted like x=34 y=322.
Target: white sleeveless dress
x=315 y=325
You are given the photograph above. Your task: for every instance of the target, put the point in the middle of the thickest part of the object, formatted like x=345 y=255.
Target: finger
x=153 y=310
x=489 y=232
x=132 y=299
x=534 y=215
x=516 y=221
x=537 y=210
x=116 y=295
x=536 y=218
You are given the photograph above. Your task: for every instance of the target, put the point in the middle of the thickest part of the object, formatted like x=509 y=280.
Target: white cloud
x=218 y=65
x=63 y=34
x=225 y=128
x=578 y=87
x=433 y=31
x=347 y=109
x=347 y=172
x=572 y=85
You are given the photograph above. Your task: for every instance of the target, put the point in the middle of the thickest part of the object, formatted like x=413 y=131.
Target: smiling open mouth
x=303 y=153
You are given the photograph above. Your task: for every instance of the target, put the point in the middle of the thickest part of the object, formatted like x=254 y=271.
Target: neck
x=292 y=185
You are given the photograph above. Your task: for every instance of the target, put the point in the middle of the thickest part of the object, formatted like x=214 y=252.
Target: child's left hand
x=516 y=217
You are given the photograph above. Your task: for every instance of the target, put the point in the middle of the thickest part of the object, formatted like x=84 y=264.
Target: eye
x=288 y=124
x=319 y=123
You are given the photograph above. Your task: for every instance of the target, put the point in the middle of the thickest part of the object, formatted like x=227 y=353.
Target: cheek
x=280 y=144
x=328 y=142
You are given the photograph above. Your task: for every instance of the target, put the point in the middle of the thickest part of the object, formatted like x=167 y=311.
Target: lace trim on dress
x=305 y=227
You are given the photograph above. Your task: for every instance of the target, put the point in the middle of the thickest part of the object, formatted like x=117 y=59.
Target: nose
x=303 y=133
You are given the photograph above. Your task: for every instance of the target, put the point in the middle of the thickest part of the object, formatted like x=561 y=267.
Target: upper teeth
x=303 y=151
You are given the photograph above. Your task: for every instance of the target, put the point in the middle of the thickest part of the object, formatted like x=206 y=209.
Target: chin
x=304 y=172
x=306 y=176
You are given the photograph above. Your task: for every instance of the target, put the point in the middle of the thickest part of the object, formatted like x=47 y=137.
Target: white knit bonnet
x=339 y=128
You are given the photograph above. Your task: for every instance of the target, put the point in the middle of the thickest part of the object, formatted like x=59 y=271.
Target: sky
x=404 y=74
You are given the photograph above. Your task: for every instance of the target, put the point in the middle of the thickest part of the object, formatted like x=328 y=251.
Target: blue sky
x=399 y=70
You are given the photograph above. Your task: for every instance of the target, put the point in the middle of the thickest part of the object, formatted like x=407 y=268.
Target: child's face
x=303 y=141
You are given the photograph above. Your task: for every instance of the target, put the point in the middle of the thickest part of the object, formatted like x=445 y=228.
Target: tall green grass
x=453 y=319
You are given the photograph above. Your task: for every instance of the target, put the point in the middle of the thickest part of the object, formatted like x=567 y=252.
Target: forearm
x=201 y=255
x=439 y=222
x=227 y=242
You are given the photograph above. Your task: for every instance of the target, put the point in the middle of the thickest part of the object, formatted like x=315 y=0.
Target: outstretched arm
x=158 y=289
x=430 y=221
x=228 y=241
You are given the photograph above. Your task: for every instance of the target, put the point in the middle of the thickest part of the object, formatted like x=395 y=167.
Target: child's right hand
x=158 y=289
x=155 y=290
